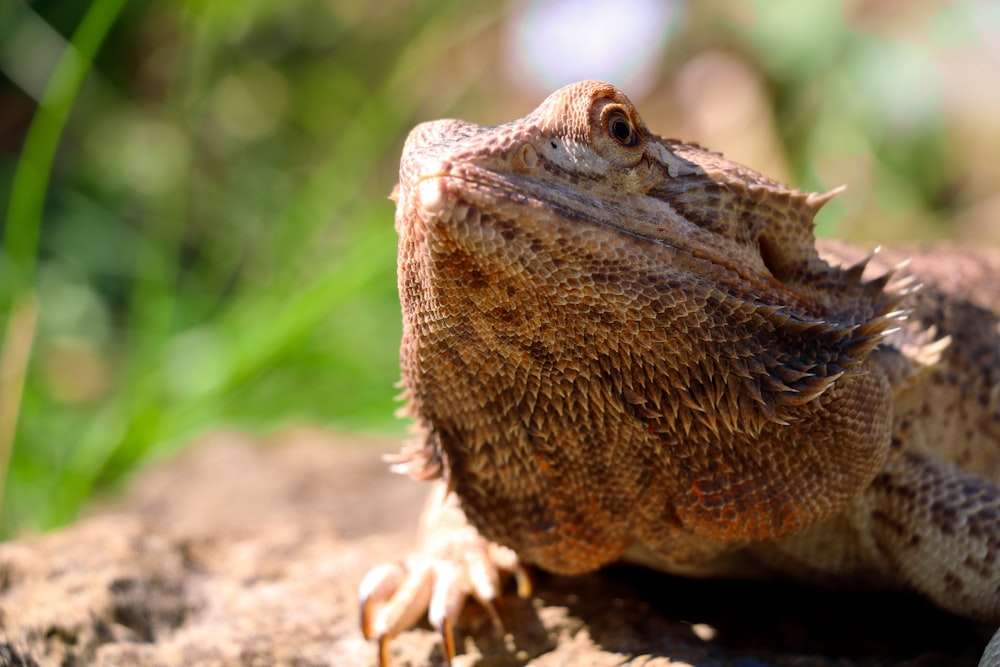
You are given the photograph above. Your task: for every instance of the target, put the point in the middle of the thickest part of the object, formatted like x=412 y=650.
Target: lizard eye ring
x=621 y=129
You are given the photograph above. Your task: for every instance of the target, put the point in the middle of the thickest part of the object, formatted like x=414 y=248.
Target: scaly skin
x=621 y=346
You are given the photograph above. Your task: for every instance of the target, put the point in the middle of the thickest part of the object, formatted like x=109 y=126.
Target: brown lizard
x=619 y=346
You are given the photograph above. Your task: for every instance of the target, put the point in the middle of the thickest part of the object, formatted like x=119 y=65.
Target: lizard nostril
x=526 y=158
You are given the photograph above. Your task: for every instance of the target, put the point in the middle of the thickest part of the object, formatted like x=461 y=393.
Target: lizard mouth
x=449 y=190
x=446 y=183
x=465 y=195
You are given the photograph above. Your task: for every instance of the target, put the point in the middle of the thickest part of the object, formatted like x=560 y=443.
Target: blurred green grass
x=216 y=246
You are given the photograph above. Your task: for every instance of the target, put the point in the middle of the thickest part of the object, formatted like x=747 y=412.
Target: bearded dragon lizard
x=619 y=346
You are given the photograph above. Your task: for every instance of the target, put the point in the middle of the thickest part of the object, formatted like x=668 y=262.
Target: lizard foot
x=452 y=562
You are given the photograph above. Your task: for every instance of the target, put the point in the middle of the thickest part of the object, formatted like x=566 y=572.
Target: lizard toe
x=393 y=597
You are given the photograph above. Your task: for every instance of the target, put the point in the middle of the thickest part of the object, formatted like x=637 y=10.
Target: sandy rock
x=248 y=552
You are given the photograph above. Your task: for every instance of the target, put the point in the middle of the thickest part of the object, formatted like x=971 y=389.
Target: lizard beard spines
x=802 y=358
x=876 y=303
x=421 y=457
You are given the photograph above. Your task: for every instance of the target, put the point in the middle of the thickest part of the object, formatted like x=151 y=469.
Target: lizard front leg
x=938 y=526
x=452 y=561
x=991 y=656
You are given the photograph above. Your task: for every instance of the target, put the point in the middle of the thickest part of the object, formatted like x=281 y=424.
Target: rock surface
x=242 y=551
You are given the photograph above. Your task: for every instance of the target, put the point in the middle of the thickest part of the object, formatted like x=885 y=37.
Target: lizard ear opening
x=770 y=256
x=785 y=232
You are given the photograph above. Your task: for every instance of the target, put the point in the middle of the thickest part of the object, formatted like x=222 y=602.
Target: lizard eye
x=620 y=127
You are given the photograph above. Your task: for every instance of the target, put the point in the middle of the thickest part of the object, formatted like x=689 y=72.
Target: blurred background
x=195 y=230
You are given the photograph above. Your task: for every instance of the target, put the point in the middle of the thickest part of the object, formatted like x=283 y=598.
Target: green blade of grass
x=27 y=203
x=31 y=179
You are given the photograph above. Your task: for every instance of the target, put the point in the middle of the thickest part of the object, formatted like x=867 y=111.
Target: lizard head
x=584 y=167
x=573 y=263
x=585 y=153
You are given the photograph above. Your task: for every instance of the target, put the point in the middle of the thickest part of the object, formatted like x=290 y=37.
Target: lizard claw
x=453 y=562
x=410 y=594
